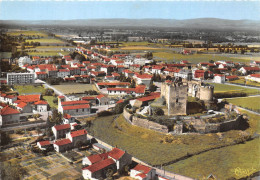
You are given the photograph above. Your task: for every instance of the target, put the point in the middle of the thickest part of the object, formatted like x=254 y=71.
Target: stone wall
x=149 y=124
x=144 y=122
x=177 y=101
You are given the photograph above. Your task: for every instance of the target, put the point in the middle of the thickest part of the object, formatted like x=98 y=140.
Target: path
x=59 y=93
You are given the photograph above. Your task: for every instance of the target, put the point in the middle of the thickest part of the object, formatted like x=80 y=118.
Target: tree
x=5 y=138
x=132 y=85
x=158 y=111
x=120 y=107
x=56 y=117
x=152 y=87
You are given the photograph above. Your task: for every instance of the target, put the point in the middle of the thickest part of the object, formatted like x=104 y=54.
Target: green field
x=145 y=145
x=47 y=41
x=50 y=99
x=242 y=81
x=48 y=53
x=29 y=89
x=27 y=33
x=224 y=163
x=220 y=88
x=195 y=58
x=74 y=88
x=247 y=102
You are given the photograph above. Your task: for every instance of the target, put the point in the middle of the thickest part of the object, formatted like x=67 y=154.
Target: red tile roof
x=40 y=73
x=255 y=75
x=142 y=168
x=29 y=98
x=62 y=142
x=88 y=98
x=97 y=157
x=144 y=76
x=74 y=102
x=62 y=126
x=41 y=103
x=22 y=105
x=148 y=98
x=78 y=133
x=8 y=110
x=67 y=116
x=113 y=83
x=100 y=96
x=44 y=143
x=116 y=153
x=84 y=106
x=120 y=101
x=99 y=165
x=252 y=68
x=232 y=77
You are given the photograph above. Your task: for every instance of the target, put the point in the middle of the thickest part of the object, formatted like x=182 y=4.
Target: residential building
x=20 y=78
x=60 y=131
x=142 y=172
x=62 y=145
x=9 y=115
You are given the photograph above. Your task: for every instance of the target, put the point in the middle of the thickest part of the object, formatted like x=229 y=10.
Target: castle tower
x=177 y=99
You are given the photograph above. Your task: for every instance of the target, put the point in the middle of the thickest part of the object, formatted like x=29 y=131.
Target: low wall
x=144 y=122
x=149 y=124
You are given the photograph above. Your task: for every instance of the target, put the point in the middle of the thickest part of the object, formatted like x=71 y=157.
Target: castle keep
x=176 y=95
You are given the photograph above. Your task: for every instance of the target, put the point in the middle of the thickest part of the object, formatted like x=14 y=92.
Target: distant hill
x=200 y=23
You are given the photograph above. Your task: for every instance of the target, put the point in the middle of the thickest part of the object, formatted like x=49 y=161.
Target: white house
x=43 y=145
x=253 y=77
x=78 y=137
x=89 y=160
x=219 y=78
x=62 y=145
x=62 y=73
x=41 y=106
x=24 y=60
x=142 y=172
x=144 y=79
x=98 y=170
x=60 y=131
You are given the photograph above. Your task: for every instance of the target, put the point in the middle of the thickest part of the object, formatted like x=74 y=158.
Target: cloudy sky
x=79 y=9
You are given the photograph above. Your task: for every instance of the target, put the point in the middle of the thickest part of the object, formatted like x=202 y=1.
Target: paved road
x=23 y=126
x=56 y=91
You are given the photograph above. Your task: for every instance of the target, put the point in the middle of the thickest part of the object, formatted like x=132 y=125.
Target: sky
x=67 y=10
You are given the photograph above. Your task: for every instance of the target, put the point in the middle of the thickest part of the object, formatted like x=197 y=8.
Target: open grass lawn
x=74 y=88
x=27 y=33
x=139 y=48
x=29 y=89
x=49 y=99
x=220 y=88
x=48 y=53
x=47 y=41
x=195 y=58
x=146 y=144
x=242 y=81
x=224 y=163
x=247 y=102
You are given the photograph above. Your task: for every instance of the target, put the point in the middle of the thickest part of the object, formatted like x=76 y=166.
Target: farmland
x=222 y=88
x=29 y=89
x=74 y=88
x=47 y=41
x=247 y=102
x=27 y=33
x=48 y=53
x=195 y=58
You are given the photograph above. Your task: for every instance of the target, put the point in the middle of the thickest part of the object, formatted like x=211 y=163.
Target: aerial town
x=98 y=102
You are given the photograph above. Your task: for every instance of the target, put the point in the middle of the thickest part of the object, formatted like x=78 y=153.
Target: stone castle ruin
x=176 y=95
